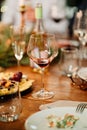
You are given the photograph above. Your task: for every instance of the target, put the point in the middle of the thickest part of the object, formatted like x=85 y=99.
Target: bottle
x=38 y=29
x=38 y=26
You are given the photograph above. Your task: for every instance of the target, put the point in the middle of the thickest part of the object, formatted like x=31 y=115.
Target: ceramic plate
x=38 y=121
x=82 y=73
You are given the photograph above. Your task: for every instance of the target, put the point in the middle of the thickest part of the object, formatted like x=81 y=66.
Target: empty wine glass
x=18 y=42
x=70 y=61
x=42 y=50
x=80 y=31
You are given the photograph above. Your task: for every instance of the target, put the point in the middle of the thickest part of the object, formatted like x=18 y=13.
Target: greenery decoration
x=7 y=58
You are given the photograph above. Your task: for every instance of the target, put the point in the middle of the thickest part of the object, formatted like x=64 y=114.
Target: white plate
x=38 y=121
x=82 y=73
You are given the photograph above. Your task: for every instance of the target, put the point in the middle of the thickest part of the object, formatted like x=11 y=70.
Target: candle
x=22 y=6
x=21 y=2
x=79 y=16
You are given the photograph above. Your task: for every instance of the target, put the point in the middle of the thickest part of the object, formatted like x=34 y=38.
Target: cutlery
x=80 y=107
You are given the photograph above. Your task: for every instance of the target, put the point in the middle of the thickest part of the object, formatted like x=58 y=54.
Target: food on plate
x=9 y=81
x=7 y=87
x=16 y=76
x=67 y=121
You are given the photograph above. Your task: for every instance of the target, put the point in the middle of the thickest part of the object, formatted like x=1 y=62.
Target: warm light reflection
x=3 y=8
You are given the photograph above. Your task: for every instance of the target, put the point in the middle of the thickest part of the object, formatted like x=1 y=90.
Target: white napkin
x=60 y=103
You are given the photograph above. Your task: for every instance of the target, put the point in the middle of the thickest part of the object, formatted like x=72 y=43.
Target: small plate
x=78 y=79
x=82 y=73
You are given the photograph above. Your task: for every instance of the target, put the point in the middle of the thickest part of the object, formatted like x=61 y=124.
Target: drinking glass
x=10 y=102
x=18 y=42
x=42 y=50
x=70 y=60
x=80 y=31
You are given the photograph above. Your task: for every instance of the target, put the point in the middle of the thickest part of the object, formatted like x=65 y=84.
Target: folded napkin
x=60 y=103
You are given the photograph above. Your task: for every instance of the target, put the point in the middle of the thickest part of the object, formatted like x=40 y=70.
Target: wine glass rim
x=46 y=35
x=69 y=48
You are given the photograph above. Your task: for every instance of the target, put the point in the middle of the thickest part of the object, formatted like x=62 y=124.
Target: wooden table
x=55 y=82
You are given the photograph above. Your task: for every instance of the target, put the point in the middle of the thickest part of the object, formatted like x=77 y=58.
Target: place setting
x=56 y=115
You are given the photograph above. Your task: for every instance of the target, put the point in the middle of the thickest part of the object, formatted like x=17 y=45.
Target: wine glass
x=80 y=31
x=18 y=43
x=42 y=50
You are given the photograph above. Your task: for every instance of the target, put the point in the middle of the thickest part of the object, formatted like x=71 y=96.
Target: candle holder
x=22 y=9
x=22 y=12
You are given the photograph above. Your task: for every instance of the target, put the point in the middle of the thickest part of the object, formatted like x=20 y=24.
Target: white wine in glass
x=80 y=31
x=18 y=43
x=19 y=49
x=42 y=50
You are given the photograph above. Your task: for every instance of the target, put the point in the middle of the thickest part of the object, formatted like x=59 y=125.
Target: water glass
x=70 y=60
x=10 y=104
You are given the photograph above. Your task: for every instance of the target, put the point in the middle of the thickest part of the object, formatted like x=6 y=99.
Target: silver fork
x=80 y=107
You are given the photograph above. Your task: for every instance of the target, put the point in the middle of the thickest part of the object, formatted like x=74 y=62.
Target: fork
x=80 y=107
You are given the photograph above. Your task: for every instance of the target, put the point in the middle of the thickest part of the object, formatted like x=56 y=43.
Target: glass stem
x=18 y=62
x=42 y=79
x=81 y=53
x=82 y=50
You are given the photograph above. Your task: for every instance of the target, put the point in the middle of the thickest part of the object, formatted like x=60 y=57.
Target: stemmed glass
x=80 y=31
x=42 y=50
x=18 y=43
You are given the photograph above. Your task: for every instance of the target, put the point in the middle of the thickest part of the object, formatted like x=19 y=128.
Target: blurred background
x=71 y=8
x=58 y=17
x=65 y=10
